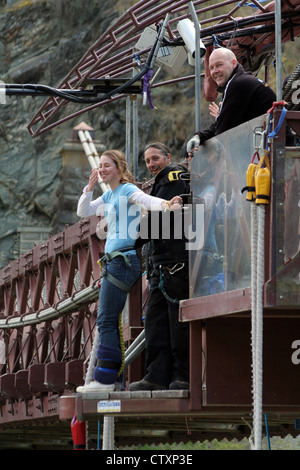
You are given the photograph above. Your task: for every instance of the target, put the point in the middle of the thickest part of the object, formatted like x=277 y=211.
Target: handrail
x=75 y=302
x=48 y=301
x=52 y=278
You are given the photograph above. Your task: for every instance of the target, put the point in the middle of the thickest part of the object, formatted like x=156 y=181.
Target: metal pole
x=108 y=433
x=92 y=155
x=135 y=353
x=135 y=138
x=278 y=51
x=160 y=38
x=92 y=147
x=197 y=68
x=128 y=129
x=137 y=340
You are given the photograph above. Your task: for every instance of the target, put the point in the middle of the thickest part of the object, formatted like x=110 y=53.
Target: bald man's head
x=222 y=62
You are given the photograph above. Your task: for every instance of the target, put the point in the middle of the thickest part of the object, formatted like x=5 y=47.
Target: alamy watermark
x=296 y=354
x=296 y=94
x=2 y=93
x=176 y=225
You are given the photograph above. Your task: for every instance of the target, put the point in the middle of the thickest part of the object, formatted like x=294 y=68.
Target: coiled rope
x=257 y=283
x=292 y=87
x=258 y=187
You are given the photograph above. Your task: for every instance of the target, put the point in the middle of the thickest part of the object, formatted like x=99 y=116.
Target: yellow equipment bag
x=262 y=180
x=250 y=179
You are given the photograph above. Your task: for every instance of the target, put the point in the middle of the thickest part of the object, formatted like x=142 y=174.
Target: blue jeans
x=112 y=299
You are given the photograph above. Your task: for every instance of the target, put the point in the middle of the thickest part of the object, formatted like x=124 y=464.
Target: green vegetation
x=276 y=443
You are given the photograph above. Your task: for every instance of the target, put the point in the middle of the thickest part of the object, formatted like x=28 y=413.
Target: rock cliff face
x=40 y=41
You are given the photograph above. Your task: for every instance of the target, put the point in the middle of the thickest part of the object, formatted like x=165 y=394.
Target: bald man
x=244 y=96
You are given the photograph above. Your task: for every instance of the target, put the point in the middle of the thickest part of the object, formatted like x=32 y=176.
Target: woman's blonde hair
x=119 y=159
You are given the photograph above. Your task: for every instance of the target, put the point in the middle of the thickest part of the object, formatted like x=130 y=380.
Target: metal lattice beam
x=114 y=52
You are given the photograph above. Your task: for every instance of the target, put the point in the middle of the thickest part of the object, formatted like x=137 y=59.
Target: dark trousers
x=167 y=339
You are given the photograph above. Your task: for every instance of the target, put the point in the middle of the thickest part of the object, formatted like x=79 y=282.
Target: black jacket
x=244 y=98
x=166 y=250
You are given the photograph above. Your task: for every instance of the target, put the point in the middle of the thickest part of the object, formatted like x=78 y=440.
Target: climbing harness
x=258 y=193
x=104 y=273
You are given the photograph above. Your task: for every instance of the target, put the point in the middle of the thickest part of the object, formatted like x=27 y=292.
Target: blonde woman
x=121 y=206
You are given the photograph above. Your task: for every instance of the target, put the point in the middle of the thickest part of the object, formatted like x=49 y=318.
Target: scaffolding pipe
x=135 y=138
x=139 y=348
x=278 y=50
x=197 y=68
x=92 y=155
x=73 y=303
x=137 y=340
x=159 y=41
x=108 y=433
x=92 y=147
x=128 y=129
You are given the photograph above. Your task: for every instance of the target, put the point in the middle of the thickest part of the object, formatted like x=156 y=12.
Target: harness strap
x=273 y=134
x=173 y=175
x=281 y=119
x=117 y=283
x=108 y=257
x=113 y=254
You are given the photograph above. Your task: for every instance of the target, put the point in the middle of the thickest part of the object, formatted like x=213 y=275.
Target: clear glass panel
x=283 y=289
x=218 y=175
x=291 y=240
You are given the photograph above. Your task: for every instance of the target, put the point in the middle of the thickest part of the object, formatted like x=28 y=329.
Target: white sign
x=109 y=406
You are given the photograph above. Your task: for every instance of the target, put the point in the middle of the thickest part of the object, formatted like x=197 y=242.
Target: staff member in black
x=167 y=339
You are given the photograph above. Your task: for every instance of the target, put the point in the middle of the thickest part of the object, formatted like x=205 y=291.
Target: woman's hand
x=92 y=180
x=175 y=203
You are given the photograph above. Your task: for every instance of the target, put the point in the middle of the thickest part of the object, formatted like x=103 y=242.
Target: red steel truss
x=48 y=297
x=48 y=308
x=47 y=276
x=114 y=54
